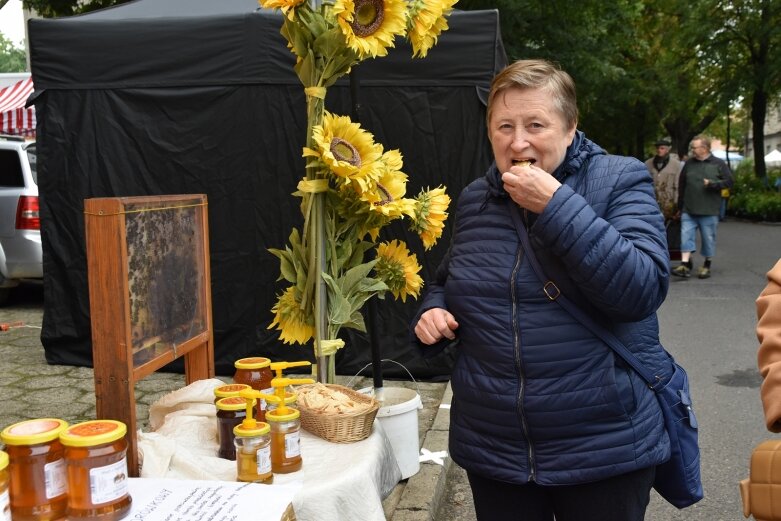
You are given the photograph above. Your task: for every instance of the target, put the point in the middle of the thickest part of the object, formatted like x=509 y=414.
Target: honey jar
x=285 y=425
x=5 y=502
x=228 y=390
x=230 y=412
x=253 y=453
x=96 y=463
x=255 y=372
x=38 y=484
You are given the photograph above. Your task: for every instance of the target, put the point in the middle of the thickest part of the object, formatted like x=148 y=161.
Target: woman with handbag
x=546 y=419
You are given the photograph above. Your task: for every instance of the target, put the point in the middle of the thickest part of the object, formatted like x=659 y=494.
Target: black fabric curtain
x=240 y=144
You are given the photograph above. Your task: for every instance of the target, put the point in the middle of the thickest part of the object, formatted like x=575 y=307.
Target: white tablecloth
x=338 y=481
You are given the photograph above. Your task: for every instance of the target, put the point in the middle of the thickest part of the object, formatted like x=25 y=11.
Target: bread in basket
x=336 y=413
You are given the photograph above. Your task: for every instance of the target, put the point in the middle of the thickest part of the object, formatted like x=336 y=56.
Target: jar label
x=108 y=483
x=55 y=478
x=5 y=506
x=292 y=444
x=263 y=459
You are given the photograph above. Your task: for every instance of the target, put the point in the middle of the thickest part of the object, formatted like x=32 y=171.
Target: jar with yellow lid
x=256 y=372
x=228 y=390
x=5 y=498
x=230 y=413
x=38 y=488
x=96 y=461
x=290 y=399
x=253 y=453
x=285 y=439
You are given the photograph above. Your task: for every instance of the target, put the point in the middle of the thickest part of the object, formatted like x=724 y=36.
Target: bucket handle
x=350 y=381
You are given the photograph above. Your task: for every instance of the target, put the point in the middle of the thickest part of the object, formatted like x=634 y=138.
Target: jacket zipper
x=518 y=364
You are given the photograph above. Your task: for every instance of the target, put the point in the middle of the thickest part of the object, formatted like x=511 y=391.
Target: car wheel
x=4 y=294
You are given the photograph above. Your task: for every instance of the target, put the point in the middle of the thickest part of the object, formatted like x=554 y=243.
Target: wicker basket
x=341 y=428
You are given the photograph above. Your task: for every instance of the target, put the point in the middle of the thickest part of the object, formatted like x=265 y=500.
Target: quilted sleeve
x=609 y=233
x=769 y=354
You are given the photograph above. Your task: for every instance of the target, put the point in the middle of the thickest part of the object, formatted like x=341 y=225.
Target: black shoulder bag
x=678 y=479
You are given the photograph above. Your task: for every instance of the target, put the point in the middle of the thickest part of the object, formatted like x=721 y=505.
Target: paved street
x=708 y=325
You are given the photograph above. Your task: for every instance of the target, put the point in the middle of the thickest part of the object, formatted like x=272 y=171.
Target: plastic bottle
x=253 y=453
x=231 y=411
x=95 y=456
x=5 y=499
x=38 y=483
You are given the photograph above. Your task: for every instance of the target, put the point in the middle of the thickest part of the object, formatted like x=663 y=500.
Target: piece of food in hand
x=525 y=162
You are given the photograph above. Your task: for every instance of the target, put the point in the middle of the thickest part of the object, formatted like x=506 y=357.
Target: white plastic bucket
x=398 y=415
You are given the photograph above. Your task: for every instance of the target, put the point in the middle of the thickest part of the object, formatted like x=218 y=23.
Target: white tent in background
x=773 y=158
x=734 y=157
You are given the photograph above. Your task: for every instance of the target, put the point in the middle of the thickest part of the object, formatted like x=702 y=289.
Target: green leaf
x=339 y=308
x=287 y=269
x=355 y=276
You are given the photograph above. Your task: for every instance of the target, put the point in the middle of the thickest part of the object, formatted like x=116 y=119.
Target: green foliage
x=755 y=198
x=55 y=8
x=12 y=58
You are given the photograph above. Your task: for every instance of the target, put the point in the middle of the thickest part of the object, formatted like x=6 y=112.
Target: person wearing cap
x=664 y=170
x=699 y=201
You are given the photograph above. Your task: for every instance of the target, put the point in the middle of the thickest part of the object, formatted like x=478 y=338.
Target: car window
x=10 y=169
x=32 y=157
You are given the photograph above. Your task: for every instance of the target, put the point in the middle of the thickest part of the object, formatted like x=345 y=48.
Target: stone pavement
x=30 y=388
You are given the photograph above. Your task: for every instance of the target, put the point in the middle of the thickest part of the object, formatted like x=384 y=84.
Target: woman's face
x=525 y=125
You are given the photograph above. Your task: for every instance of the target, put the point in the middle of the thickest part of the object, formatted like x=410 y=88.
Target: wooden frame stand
x=150 y=298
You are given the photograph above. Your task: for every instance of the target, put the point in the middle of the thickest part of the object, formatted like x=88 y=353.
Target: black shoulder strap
x=553 y=293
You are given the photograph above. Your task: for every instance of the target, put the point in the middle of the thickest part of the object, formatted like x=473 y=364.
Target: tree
x=12 y=58
x=750 y=40
x=55 y=8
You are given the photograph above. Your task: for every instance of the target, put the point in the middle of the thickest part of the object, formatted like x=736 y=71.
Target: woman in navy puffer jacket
x=545 y=419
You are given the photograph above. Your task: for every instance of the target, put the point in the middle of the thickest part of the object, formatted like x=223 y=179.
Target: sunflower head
x=430 y=216
x=386 y=194
x=287 y=6
x=398 y=269
x=294 y=325
x=369 y=26
x=426 y=22
x=346 y=149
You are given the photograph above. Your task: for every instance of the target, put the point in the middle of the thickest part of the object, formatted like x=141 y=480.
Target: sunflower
x=290 y=320
x=287 y=6
x=386 y=194
x=426 y=22
x=369 y=26
x=430 y=219
x=347 y=150
x=398 y=269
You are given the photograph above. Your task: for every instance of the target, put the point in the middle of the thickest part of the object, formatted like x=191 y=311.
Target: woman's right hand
x=434 y=325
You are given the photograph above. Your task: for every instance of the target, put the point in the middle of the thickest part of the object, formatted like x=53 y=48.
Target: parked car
x=20 y=224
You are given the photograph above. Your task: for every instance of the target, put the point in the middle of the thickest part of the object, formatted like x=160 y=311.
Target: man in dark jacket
x=545 y=418
x=699 y=199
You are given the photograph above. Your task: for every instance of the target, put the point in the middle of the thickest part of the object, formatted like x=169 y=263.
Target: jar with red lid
x=96 y=462
x=38 y=488
x=255 y=372
x=5 y=499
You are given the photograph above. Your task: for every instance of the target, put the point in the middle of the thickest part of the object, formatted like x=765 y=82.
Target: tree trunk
x=758 y=113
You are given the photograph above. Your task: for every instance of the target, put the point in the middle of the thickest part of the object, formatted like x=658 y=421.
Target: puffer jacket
x=536 y=396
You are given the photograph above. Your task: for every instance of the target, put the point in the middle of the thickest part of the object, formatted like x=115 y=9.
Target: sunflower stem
x=317 y=246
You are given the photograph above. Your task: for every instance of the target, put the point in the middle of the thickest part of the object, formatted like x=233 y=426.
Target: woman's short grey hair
x=538 y=74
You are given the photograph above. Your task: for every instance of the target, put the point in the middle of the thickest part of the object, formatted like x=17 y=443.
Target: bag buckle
x=551 y=290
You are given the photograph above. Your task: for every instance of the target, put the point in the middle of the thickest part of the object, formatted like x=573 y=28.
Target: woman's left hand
x=530 y=187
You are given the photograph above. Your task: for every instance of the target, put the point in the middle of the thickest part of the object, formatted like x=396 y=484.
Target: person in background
x=769 y=354
x=545 y=419
x=699 y=201
x=665 y=170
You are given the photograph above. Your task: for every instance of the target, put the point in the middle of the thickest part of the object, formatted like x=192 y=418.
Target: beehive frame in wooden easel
x=150 y=298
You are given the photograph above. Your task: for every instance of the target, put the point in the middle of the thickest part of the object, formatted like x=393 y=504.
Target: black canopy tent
x=195 y=96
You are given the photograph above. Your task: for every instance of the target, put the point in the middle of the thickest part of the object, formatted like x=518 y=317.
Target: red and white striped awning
x=14 y=117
